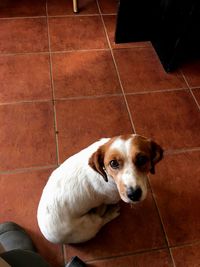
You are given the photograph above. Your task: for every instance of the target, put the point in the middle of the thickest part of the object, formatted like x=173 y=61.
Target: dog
x=81 y=195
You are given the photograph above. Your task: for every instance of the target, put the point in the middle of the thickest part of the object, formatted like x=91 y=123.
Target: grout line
x=157 y=91
x=64 y=255
x=187 y=244
x=74 y=16
x=21 y=18
x=87 y=97
x=195 y=87
x=26 y=102
x=53 y=52
x=53 y=89
x=198 y=105
x=53 y=16
x=130 y=46
x=81 y=50
x=14 y=53
x=108 y=14
x=159 y=214
x=71 y=51
x=30 y=169
x=58 y=16
x=181 y=150
x=23 y=53
x=115 y=64
x=172 y=258
x=99 y=8
x=59 y=99
x=128 y=254
x=138 y=47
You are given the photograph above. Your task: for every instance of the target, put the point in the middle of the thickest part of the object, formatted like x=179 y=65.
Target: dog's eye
x=141 y=160
x=114 y=164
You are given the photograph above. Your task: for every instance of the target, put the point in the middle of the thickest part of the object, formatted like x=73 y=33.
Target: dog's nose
x=134 y=193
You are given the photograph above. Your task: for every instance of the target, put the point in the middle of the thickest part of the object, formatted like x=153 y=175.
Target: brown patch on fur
x=114 y=154
x=96 y=161
x=156 y=155
x=148 y=148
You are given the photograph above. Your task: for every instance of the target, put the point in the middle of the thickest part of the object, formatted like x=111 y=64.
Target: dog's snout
x=134 y=193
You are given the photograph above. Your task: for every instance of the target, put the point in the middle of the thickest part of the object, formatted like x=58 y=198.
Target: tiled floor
x=65 y=83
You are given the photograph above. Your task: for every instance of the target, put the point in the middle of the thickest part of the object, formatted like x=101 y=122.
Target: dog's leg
x=101 y=210
x=106 y=210
x=89 y=225
x=111 y=213
x=86 y=227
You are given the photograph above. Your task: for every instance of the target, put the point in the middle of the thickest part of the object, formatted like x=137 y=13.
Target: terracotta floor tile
x=20 y=194
x=22 y=8
x=27 y=135
x=84 y=74
x=153 y=259
x=108 y=7
x=25 y=77
x=110 y=22
x=188 y=256
x=73 y=33
x=140 y=70
x=196 y=93
x=191 y=70
x=81 y=122
x=177 y=191
x=64 y=7
x=25 y=30
x=171 y=118
x=128 y=233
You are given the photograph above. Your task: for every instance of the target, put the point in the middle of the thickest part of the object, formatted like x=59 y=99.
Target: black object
x=173 y=27
x=13 y=236
x=24 y=258
x=76 y=262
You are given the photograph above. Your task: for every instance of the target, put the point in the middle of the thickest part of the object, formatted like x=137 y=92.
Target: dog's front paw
x=112 y=212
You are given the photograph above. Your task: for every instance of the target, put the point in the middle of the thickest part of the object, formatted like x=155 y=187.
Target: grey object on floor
x=20 y=250
x=12 y=236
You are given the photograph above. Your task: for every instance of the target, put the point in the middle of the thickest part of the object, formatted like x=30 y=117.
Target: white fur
x=71 y=191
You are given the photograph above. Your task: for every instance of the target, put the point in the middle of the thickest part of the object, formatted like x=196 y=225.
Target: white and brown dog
x=79 y=195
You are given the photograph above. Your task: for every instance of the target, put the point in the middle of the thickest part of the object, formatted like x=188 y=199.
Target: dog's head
x=127 y=159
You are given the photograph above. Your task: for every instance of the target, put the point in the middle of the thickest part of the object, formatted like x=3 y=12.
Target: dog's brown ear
x=96 y=161
x=156 y=155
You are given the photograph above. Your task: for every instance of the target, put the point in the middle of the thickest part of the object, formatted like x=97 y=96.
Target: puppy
x=79 y=196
